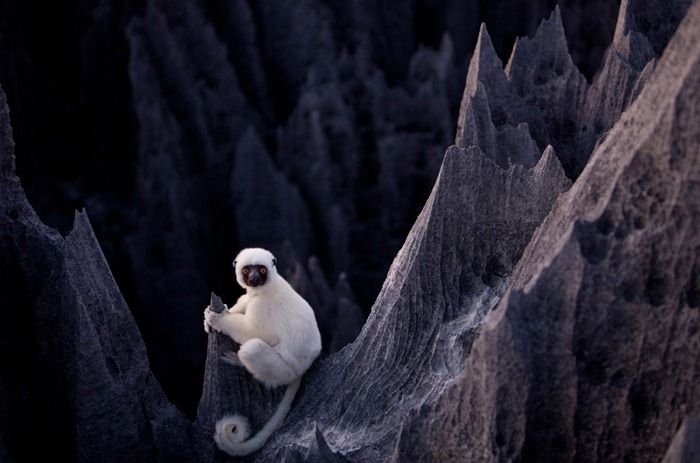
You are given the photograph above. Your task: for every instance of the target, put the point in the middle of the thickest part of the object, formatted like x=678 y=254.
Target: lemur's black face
x=254 y=275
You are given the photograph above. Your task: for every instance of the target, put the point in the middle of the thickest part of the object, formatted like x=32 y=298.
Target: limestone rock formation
x=525 y=318
x=685 y=447
x=593 y=349
x=73 y=360
x=592 y=353
x=137 y=111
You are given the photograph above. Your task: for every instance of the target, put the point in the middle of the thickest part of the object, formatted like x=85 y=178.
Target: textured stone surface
x=592 y=354
x=593 y=350
x=685 y=447
x=228 y=390
x=542 y=72
x=73 y=359
x=477 y=221
x=512 y=325
x=641 y=34
x=493 y=117
x=541 y=87
x=139 y=113
x=224 y=164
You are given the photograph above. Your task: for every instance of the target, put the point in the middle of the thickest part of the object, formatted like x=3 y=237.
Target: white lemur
x=279 y=340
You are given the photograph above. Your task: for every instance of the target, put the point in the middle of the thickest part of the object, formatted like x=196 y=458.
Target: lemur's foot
x=232 y=359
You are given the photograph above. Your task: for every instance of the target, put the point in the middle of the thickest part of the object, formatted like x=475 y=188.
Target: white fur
x=279 y=341
x=235 y=428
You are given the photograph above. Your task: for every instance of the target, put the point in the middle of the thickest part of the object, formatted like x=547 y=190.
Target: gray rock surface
x=228 y=389
x=137 y=111
x=543 y=88
x=592 y=354
x=515 y=323
x=258 y=186
x=493 y=117
x=543 y=74
x=685 y=447
x=477 y=221
x=73 y=360
x=641 y=34
x=583 y=356
x=223 y=163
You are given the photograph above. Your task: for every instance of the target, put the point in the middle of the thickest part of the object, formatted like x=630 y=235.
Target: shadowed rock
x=685 y=447
x=542 y=72
x=78 y=355
x=626 y=67
x=492 y=115
x=256 y=126
x=164 y=245
x=269 y=211
x=228 y=390
x=147 y=102
x=542 y=87
x=592 y=354
x=477 y=221
x=339 y=318
x=581 y=345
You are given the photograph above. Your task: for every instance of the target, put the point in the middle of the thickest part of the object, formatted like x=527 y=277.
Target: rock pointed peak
x=547 y=154
x=446 y=45
x=635 y=24
x=7 y=146
x=446 y=55
x=485 y=65
x=284 y=216
x=547 y=46
x=628 y=41
x=12 y=196
x=549 y=166
x=81 y=222
x=625 y=22
x=552 y=29
x=484 y=44
x=474 y=125
x=555 y=17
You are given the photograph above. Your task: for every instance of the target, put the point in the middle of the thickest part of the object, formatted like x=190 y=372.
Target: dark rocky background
x=188 y=130
x=511 y=326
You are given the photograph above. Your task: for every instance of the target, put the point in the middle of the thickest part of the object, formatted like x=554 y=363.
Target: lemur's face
x=254 y=267
x=254 y=275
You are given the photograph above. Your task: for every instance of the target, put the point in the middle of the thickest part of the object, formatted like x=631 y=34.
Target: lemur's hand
x=211 y=320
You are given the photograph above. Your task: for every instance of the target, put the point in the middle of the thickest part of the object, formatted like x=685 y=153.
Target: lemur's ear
x=274 y=261
x=234 y=264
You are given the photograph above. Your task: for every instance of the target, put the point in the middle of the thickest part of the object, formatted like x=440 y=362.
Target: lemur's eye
x=245 y=271
x=263 y=270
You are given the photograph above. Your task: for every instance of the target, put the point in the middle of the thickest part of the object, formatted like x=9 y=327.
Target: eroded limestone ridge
x=525 y=318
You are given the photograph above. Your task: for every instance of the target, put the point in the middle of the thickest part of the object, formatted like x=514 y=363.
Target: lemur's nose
x=254 y=278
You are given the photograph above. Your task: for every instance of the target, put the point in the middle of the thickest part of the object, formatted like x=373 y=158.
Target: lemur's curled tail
x=233 y=431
